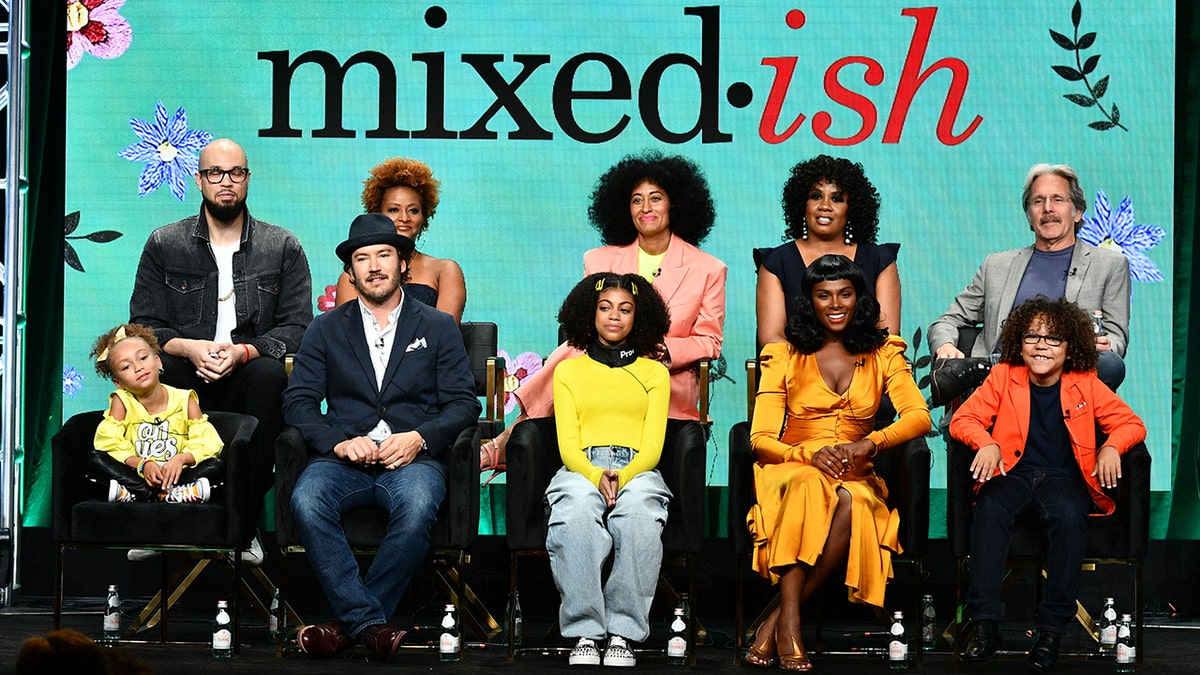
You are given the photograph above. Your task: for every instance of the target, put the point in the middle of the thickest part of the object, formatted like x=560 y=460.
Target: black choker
x=613 y=357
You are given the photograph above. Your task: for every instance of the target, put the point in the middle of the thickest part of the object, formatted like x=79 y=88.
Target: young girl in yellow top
x=153 y=443
x=608 y=499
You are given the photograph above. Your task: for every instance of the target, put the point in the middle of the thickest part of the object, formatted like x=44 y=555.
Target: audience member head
x=691 y=212
x=223 y=176
x=833 y=277
x=580 y=311
x=375 y=256
x=1050 y=181
x=862 y=200
x=404 y=190
x=118 y=345
x=61 y=651
x=1061 y=320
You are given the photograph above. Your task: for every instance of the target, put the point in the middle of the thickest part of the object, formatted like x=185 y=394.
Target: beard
x=377 y=295
x=224 y=213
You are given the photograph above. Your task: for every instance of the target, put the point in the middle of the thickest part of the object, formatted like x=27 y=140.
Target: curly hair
x=862 y=334
x=862 y=200
x=1061 y=317
x=651 y=319
x=692 y=211
x=105 y=343
x=402 y=171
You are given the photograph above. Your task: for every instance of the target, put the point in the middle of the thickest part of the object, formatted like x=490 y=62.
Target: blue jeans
x=1062 y=504
x=1110 y=368
x=411 y=495
x=584 y=531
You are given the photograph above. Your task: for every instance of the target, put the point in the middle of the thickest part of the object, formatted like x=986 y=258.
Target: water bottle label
x=897 y=651
x=930 y=633
x=1108 y=635
x=1126 y=654
x=222 y=639
x=112 y=621
x=448 y=643
x=273 y=624
x=677 y=646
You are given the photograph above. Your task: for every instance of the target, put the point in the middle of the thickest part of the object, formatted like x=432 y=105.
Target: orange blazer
x=692 y=284
x=1002 y=404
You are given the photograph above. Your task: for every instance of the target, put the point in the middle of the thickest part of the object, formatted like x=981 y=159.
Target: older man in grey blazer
x=1057 y=265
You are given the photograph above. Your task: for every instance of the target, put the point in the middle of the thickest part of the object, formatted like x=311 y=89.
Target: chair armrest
x=905 y=470
x=461 y=508
x=1135 y=497
x=960 y=496
x=291 y=456
x=242 y=439
x=682 y=466
x=70 y=485
x=533 y=459
x=741 y=486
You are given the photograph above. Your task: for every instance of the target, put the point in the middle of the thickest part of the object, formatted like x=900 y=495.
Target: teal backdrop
x=518 y=107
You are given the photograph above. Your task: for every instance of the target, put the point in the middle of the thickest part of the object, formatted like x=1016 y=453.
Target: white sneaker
x=196 y=492
x=141 y=554
x=619 y=653
x=584 y=653
x=253 y=555
x=118 y=492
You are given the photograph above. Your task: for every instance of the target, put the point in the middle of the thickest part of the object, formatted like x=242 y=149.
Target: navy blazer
x=427 y=387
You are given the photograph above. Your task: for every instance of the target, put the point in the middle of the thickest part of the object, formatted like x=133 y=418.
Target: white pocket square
x=419 y=343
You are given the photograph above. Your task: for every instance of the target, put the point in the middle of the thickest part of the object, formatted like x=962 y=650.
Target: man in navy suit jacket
x=398 y=390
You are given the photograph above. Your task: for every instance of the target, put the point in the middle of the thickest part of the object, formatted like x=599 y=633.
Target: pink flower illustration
x=517 y=370
x=329 y=300
x=95 y=27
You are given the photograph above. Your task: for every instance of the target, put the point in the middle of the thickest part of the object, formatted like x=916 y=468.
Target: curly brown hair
x=1062 y=318
x=105 y=342
x=651 y=318
x=402 y=171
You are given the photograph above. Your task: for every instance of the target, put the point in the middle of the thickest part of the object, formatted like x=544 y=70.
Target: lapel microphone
x=379 y=343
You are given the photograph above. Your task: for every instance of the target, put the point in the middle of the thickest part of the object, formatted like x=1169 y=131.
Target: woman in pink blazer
x=652 y=211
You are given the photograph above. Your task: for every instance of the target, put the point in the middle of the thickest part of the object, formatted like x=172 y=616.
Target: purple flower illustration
x=170 y=151
x=516 y=372
x=72 y=381
x=95 y=27
x=1120 y=231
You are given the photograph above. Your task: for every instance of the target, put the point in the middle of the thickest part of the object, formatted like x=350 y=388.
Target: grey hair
x=1062 y=171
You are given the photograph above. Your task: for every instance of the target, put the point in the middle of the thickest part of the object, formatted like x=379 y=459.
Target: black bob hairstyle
x=862 y=334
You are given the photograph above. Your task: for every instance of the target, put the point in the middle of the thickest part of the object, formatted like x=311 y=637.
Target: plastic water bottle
x=928 y=622
x=512 y=617
x=222 y=636
x=898 y=646
x=1126 y=646
x=1098 y=323
x=1108 y=627
x=677 y=644
x=448 y=642
x=112 y=617
x=273 y=621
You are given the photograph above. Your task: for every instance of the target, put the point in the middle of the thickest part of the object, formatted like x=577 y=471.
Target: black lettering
x=708 y=73
x=435 y=96
x=506 y=97
x=335 y=76
x=565 y=96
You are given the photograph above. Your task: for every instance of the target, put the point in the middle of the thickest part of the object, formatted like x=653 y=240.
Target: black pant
x=103 y=467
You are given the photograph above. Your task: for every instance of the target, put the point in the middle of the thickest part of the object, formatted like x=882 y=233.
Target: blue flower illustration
x=169 y=150
x=1120 y=231
x=72 y=381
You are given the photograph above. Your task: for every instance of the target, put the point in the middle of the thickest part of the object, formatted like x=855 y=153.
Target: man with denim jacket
x=227 y=296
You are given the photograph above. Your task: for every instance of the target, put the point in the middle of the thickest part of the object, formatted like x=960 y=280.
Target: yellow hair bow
x=117 y=337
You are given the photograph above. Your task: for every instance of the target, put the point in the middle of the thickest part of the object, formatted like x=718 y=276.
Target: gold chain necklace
x=225 y=297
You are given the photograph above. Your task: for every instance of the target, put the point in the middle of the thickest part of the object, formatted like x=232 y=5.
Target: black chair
x=456 y=527
x=905 y=470
x=482 y=343
x=84 y=518
x=533 y=459
x=1119 y=539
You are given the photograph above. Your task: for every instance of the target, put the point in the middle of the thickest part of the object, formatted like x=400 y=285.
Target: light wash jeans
x=584 y=532
x=411 y=494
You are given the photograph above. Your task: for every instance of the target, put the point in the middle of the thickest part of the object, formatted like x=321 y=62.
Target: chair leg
x=510 y=620
x=694 y=621
x=918 y=608
x=739 y=597
x=58 y=587
x=1137 y=608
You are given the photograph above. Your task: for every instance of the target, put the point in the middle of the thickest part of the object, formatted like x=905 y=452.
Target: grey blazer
x=1099 y=279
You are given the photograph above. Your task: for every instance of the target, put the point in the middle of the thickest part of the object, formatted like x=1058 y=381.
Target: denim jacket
x=175 y=292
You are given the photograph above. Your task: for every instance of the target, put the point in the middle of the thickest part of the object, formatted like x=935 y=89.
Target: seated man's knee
x=1110 y=368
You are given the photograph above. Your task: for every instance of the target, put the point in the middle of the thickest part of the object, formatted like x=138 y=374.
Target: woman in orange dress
x=819 y=502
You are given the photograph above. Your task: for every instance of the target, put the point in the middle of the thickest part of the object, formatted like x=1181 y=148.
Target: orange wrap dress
x=795 y=415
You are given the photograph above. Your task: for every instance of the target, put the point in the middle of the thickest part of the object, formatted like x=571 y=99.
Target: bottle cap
x=1126 y=617
x=449 y=607
x=222 y=604
x=678 y=611
x=927 y=598
x=898 y=615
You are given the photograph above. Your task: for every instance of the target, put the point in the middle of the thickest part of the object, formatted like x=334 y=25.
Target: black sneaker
x=950 y=378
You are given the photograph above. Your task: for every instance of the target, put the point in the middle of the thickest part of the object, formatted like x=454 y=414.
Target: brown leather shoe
x=323 y=641
x=382 y=640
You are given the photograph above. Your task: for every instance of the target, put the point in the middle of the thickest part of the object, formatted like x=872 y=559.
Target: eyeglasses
x=237 y=174
x=1051 y=340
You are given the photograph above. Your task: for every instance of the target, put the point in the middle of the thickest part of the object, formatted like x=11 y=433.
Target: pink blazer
x=692 y=284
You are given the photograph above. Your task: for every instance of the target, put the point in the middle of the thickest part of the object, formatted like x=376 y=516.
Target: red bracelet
x=247 y=348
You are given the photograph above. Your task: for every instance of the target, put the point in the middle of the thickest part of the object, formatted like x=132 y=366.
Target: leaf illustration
x=1090 y=64
x=103 y=236
x=1086 y=40
x=1102 y=125
x=1068 y=73
x=70 y=222
x=1100 y=88
x=922 y=362
x=1076 y=13
x=71 y=258
x=1116 y=115
x=923 y=383
x=1062 y=41
x=1080 y=100
x=917 y=337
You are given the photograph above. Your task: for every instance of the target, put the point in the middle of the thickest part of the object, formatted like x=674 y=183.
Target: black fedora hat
x=371 y=229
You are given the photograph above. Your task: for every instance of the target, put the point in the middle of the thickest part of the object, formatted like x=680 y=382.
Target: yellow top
x=158 y=437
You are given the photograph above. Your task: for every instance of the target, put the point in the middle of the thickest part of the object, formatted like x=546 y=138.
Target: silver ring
x=845 y=461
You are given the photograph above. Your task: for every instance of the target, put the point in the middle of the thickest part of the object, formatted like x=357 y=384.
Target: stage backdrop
x=518 y=107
